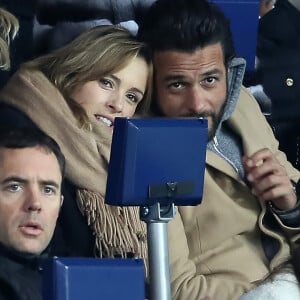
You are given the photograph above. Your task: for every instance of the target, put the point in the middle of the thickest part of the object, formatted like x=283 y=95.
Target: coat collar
x=32 y=261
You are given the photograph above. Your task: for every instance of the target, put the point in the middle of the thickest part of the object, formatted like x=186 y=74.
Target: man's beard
x=215 y=119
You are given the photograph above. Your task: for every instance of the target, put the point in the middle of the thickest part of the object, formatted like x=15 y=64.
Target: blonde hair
x=98 y=52
x=9 y=27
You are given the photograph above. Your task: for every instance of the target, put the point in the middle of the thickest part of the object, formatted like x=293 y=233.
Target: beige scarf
x=118 y=230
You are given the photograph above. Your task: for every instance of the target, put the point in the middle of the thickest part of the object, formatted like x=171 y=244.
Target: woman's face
x=116 y=95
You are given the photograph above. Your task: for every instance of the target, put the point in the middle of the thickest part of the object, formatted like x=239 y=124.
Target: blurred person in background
x=9 y=27
x=278 y=48
x=265 y=6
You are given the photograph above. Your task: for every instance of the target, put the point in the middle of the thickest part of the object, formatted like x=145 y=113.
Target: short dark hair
x=186 y=25
x=17 y=138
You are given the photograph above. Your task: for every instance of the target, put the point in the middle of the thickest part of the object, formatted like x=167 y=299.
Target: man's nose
x=196 y=101
x=116 y=102
x=33 y=201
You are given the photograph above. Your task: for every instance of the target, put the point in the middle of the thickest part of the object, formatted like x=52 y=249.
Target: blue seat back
x=93 y=279
x=243 y=15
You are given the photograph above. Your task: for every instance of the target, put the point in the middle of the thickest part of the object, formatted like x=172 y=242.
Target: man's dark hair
x=17 y=138
x=186 y=25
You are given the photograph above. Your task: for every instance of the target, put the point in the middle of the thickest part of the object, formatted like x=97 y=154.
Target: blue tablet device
x=157 y=160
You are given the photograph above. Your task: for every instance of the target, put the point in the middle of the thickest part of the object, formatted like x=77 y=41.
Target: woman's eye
x=133 y=98
x=106 y=82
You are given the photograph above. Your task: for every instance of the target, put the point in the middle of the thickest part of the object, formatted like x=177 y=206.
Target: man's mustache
x=200 y=115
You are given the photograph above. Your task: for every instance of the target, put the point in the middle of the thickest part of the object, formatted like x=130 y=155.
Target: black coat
x=20 y=277
x=278 y=52
x=72 y=237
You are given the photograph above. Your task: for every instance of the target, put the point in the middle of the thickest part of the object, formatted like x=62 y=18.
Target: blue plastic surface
x=93 y=279
x=152 y=152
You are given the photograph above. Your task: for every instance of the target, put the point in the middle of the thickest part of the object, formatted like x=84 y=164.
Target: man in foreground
x=31 y=170
x=237 y=237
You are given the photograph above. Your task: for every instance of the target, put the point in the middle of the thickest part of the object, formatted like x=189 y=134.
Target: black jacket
x=20 y=277
x=278 y=52
x=72 y=237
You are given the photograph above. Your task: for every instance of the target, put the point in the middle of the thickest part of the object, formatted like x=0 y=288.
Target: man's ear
x=61 y=200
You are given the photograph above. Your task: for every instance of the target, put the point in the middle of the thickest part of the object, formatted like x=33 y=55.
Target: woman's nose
x=116 y=102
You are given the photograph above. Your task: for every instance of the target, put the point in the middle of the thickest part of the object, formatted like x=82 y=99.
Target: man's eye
x=49 y=190
x=210 y=80
x=177 y=85
x=14 y=188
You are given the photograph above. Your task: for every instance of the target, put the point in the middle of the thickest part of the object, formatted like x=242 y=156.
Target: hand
x=269 y=179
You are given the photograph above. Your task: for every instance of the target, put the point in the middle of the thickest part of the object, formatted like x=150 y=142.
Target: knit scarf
x=118 y=230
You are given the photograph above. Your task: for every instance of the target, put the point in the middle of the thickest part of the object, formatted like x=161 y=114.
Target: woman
x=74 y=95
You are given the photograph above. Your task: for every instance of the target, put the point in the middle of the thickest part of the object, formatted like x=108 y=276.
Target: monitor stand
x=156 y=217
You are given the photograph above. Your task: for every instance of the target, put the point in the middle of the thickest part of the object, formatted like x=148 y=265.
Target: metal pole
x=157 y=217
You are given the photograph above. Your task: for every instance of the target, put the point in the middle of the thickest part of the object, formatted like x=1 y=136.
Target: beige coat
x=215 y=248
